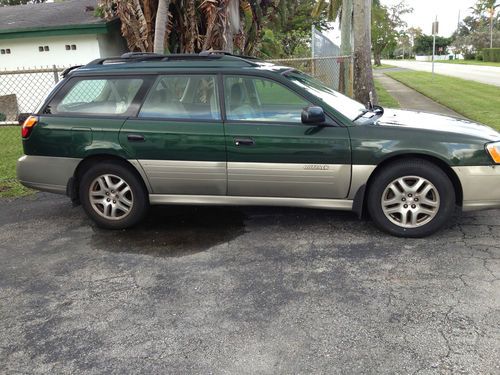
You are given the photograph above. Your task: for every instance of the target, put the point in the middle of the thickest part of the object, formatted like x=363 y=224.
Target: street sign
x=435 y=28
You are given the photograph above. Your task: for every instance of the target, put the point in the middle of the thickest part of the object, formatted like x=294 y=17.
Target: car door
x=178 y=137
x=271 y=153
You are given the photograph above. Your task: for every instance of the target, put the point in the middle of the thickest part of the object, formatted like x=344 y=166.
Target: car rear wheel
x=113 y=196
x=411 y=198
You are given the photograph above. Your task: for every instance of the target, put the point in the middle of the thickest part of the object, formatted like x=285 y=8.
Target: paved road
x=244 y=290
x=479 y=73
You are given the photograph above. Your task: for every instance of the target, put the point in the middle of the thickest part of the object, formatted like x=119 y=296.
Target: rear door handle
x=246 y=141
x=135 y=138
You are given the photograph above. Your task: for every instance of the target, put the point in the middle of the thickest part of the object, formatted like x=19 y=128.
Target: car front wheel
x=411 y=198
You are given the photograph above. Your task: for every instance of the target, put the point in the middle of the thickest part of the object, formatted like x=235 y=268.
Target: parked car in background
x=120 y=134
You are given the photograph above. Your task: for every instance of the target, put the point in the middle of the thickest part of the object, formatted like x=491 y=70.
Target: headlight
x=494 y=151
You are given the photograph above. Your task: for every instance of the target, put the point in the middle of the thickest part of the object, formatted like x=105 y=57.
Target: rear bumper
x=480 y=186
x=46 y=173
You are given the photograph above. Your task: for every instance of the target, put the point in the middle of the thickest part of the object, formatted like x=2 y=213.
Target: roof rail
x=225 y=53
x=129 y=55
x=66 y=71
x=148 y=56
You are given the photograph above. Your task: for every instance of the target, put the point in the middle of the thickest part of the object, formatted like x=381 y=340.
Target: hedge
x=491 y=54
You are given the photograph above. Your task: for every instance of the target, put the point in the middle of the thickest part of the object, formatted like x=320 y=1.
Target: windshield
x=345 y=105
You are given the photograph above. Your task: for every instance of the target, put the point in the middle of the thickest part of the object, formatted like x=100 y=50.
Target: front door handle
x=135 y=138
x=246 y=141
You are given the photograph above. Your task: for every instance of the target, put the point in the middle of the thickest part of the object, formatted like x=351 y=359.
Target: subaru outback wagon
x=120 y=134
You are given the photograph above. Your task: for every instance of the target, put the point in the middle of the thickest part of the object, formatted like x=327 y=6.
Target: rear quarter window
x=96 y=96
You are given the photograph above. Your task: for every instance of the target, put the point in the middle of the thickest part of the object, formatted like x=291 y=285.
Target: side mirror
x=313 y=115
x=21 y=118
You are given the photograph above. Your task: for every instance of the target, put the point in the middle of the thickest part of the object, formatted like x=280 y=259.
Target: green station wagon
x=120 y=134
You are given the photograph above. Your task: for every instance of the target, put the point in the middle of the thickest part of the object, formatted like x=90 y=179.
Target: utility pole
x=458 y=29
x=346 y=46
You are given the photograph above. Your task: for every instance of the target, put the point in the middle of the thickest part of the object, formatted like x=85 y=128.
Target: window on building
x=2 y=51
x=40 y=49
x=73 y=47
x=7 y=51
x=68 y=47
x=46 y=48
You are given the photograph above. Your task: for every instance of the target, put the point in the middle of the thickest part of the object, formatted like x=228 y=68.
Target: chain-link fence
x=335 y=71
x=20 y=92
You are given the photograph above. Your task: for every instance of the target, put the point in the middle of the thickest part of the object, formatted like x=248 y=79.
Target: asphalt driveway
x=244 y=290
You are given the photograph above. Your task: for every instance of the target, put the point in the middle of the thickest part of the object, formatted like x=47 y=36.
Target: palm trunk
x=161 y=26
x=232 y=24
x=363 y=77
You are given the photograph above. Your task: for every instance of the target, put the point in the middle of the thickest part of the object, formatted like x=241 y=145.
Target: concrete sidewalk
x=409 y=98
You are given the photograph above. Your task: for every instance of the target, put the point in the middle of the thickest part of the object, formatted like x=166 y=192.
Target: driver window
x=260 y=99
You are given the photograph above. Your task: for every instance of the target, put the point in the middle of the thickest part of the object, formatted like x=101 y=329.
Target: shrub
x=491 y=54
x=479 y=56
x=469 y=56
x=3 y=117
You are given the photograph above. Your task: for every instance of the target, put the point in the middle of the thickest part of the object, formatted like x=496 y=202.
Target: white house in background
x=35 y=36
x=61 y=33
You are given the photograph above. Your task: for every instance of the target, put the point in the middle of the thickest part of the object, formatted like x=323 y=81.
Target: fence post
x=351 y=76
x=56 y=75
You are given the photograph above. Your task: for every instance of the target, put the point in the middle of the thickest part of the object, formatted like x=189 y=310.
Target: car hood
x=435 y=122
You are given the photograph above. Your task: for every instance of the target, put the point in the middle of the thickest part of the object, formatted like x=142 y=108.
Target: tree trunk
x=232 y=24
x=345 y=44
x=161 y=26
x=363 y=77
x=377 y=58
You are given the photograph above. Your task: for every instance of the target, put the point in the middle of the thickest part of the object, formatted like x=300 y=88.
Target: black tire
x=137 y=194
x=444 y=199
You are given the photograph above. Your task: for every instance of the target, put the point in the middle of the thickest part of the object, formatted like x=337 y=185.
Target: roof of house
x=58 y=18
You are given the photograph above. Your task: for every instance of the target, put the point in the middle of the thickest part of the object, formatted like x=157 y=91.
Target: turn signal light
x=28 y=126
x=494 y=151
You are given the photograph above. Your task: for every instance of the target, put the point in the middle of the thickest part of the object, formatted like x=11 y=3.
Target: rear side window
x=112 y=96
x=182 y=97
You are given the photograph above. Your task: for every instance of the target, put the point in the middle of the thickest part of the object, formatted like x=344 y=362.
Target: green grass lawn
x=469 y=62
x=10 y=150
x=383 y=66
x=384 y=98
x=474 y=100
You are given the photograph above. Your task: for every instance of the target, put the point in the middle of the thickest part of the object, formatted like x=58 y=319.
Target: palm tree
x=191 y=25
x=160 y=26
x=364 y=88
x=489 y=7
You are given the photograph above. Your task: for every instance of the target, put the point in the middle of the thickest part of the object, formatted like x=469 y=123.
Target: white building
x=35 y=36
x=62 y=33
